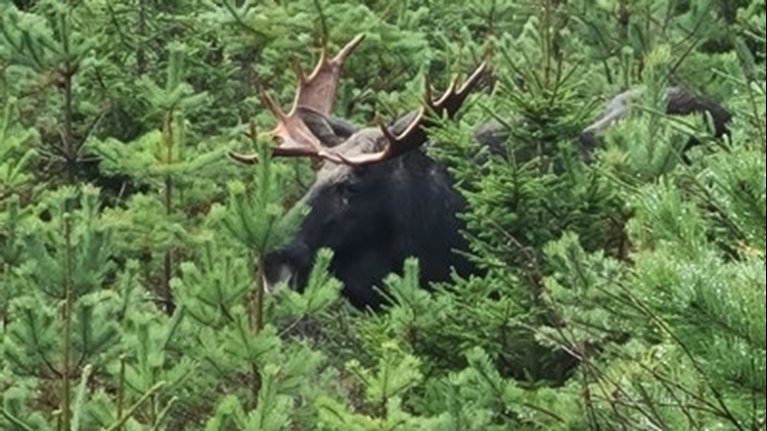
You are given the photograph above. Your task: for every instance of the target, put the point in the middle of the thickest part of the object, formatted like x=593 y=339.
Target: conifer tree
x=622 y=290
x=47 y=51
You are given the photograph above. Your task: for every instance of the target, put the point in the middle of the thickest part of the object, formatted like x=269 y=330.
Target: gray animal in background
x=679 y=101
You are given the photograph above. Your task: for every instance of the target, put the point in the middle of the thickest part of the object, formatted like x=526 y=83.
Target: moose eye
x=348 y=188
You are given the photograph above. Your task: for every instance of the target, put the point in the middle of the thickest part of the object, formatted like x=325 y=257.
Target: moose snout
x=290 y=266
x=279 y=273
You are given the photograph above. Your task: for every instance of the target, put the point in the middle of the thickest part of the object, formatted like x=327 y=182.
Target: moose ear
x=330 y=131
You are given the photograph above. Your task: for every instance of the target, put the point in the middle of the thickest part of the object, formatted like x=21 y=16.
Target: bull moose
x=377 y=198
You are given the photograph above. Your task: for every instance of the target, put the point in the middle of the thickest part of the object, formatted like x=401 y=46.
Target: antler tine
x=452 y=99
x=473 y=79
x=270 y=104
x=346 y=50
x=446 y=95
x=299 y=71
x=318 y=90
x=248 y=159
x=397 y=143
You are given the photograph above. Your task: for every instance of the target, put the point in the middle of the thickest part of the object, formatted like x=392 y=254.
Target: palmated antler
x=317 y=92
x=414 y=135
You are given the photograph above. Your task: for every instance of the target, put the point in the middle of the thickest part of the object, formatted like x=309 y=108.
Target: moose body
x=377 y=198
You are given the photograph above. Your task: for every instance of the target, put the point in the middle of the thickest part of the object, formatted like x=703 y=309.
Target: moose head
x=377 y=198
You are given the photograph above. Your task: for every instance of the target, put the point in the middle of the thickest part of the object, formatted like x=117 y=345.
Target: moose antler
x=414 y=135
x=316 y=91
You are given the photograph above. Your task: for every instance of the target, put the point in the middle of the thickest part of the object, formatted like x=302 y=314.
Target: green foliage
x=57 y=258
x=257 y=219
x=619 y=289
x=384 y=386
x=319 y=294
x=12 y=174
